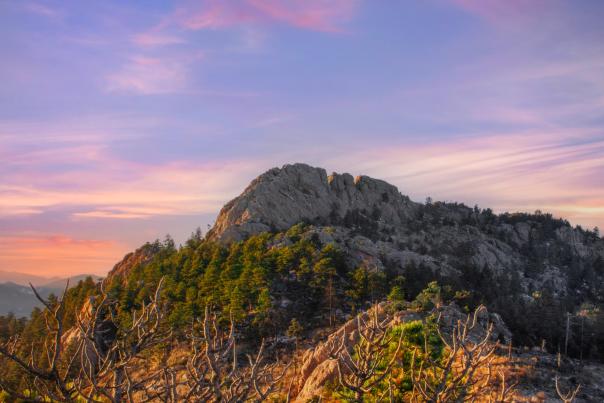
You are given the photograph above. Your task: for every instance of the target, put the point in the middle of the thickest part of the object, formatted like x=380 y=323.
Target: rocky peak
x=282 y=197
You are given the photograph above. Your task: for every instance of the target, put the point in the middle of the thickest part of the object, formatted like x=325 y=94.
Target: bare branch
x=568 y=397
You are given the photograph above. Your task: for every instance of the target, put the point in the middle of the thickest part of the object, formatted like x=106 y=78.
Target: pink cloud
x=151 y=39
x=97 y=189
x=96 y=184
x=315 y=15
x=213 y=14
x=150 y=75
x=322 y=15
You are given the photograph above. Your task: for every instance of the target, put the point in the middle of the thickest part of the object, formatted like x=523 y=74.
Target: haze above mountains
x=39 y=281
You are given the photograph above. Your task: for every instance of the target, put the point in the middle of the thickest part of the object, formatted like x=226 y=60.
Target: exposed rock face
x=280 y=198
x=103 y=334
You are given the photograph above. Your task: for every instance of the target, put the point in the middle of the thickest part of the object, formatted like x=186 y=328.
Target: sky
x=123 y=121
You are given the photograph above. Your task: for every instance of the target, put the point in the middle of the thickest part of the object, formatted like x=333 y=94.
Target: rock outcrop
x=139 y=257
x=318 y=369
x=282 y=197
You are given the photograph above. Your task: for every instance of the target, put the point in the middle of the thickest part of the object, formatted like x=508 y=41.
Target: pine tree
x=237 y=303
x=430 y=297
x=396 y=295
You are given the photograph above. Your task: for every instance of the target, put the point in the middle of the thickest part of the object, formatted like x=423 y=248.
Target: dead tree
x=361 y=368
x=103 y=360
x=504 y=393
x=464 y=372
x=107 y=366
x=568 y=397
x=214 y=373
x=52 y=378
x=91 y=366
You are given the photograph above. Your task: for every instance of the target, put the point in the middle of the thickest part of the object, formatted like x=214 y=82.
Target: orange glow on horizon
x=59 y=255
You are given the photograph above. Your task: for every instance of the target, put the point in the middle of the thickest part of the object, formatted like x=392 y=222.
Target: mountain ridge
x=24 y=279
x=17 y=297
x=373 y=220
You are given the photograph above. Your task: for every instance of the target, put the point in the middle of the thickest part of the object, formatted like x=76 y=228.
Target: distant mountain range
x=17 y=297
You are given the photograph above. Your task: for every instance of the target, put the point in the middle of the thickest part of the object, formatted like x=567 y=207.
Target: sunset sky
x=123 y=121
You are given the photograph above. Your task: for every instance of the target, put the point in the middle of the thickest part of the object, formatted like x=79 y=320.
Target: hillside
x=528 y=267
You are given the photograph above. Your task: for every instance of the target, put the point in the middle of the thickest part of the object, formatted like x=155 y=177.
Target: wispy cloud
x=96 y=184
x=126 y=213
x=315 y=15
x=509 y=172
x=151 y=75
x=164 y=72
x=42 y=9
x=149 y=190
x=44 y=169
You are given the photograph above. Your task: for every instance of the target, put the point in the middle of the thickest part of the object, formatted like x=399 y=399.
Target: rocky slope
x=317 y=369
x=531 y=370
x=378 y=226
